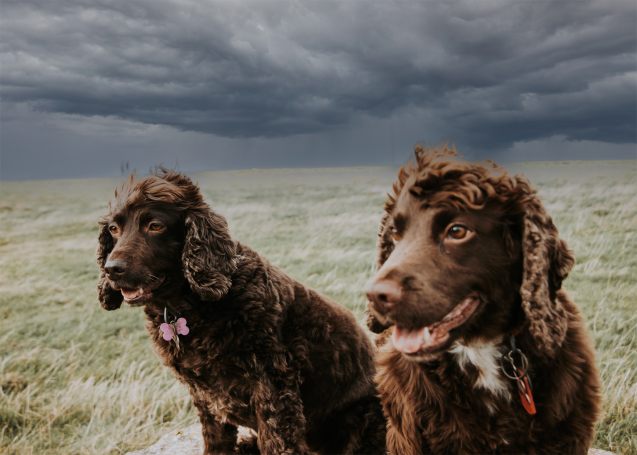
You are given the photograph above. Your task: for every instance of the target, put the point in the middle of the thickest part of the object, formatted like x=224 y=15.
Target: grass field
x=79 y=380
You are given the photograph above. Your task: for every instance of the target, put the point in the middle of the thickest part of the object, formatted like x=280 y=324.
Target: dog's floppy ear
x=385 y=244
x=547 y=262
x=384 y=248
x=209 y=254
x=109 y=298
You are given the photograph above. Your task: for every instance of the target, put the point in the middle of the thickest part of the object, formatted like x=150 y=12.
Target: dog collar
x=174 y=323
x=518 y=371
x=185 y=303
x=174 y=328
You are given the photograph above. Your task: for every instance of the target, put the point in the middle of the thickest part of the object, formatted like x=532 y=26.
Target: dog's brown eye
x=155 y=227
x=113 y=229
x=457 y=232
x=394 y=234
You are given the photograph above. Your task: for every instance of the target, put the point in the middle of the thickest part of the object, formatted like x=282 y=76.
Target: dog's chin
x=136 y=296
x=426 y=343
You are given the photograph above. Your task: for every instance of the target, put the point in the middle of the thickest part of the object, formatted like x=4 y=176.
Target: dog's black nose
x=115 y=268
x=384 y=294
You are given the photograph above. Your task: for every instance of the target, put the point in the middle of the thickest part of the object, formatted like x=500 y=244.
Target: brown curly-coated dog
x=470 y=268
x=255 y=347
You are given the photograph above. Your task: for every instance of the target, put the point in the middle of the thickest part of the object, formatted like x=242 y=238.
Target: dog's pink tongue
x=406 y=340
x=130 y=293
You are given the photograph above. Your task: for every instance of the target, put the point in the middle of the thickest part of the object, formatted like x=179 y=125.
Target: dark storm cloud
x=492 y=73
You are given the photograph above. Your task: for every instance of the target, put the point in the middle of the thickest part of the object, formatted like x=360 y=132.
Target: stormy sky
x=89 y=84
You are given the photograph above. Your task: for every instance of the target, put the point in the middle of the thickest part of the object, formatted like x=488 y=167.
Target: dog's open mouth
x=432 y=338
x=138 y=296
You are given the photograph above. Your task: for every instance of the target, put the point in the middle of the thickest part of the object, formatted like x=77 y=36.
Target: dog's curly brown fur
x=263 y=351
x=506 y=259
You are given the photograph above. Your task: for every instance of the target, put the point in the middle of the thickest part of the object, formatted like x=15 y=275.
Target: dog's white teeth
x=141 y=291
x=426 y=335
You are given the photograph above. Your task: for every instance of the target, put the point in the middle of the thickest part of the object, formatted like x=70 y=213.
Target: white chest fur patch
x=485 y=357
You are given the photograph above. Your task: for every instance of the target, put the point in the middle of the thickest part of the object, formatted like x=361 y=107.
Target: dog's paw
x=248 y=447
x=247 y=442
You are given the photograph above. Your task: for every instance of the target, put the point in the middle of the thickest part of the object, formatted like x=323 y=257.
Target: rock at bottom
x=187 y=441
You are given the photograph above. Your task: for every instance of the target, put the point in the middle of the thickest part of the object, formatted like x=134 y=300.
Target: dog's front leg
x=399 y=443
x=218 y=438
x=281 y=422
x=403 y=435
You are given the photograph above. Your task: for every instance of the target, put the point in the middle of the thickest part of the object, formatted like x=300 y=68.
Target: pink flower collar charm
x=173 y=329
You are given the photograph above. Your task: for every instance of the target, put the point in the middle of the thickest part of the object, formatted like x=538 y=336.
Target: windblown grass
x=77 y=379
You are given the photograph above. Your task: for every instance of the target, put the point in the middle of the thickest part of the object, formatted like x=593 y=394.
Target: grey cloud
x=492 y=72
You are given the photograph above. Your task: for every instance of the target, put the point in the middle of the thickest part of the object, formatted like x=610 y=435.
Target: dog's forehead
x=410 y=210
x=127 y=200
x=411 y=198
x=457 y=190
x=430 y=205
x=145 y=197
x=409 y=202
x=149 y=190
x=126 y=212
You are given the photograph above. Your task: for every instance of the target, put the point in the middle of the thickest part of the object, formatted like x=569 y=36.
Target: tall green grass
x=77 y=379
